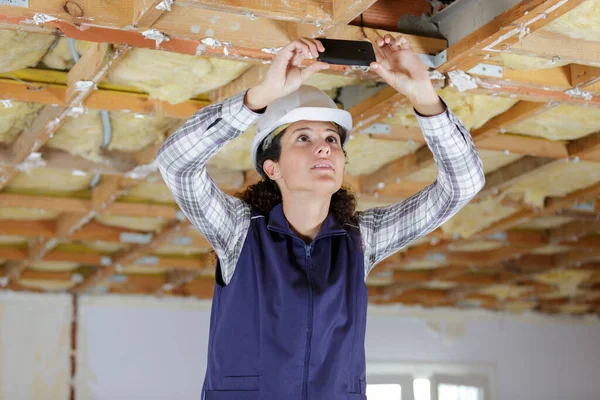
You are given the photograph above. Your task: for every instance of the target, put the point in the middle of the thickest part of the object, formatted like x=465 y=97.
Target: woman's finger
x=312 y=48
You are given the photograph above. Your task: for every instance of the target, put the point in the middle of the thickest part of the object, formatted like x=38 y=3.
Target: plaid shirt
x=224 y=220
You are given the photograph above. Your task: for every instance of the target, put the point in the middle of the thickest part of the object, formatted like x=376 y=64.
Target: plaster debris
x=155 y=35
x=164 y=5
x=271 y=50
x=7 y=103
x=462 y=80
x=39 y=19
x=579 y=94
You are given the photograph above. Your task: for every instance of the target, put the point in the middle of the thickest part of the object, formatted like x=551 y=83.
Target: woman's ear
x=271 y=169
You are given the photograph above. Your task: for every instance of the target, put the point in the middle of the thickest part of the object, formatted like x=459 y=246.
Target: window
x=428 y=381
x=459 y=392
x=384 y=392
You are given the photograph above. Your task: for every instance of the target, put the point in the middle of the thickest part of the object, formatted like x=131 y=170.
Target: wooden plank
x=46 y=123
x=40 y=228
x=102 y=99
x=91 y=68
x=384 y=14
x=526 y=145
x=572 y=231
x=7 y=172
x=237 y=36
x=504 y=31
x=552 y=45
x=167 y=233
x=585 y=146
x=345 y=11
x=146 y=13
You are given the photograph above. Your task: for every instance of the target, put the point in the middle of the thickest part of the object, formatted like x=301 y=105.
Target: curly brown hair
x=265 y=195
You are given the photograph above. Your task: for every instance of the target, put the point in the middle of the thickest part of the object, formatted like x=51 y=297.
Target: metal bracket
x=494 y=71
x=138 y=238
x=585 y=206
x=434 y=61
x=378 y=129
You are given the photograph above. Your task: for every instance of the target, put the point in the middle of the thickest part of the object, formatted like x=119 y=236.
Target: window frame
x=453 y=373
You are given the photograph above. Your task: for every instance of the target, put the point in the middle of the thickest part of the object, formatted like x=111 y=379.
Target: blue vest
x=291 y=323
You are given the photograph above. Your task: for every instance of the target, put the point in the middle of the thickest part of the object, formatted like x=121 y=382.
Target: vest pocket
x=231 y=395
x=235 y=388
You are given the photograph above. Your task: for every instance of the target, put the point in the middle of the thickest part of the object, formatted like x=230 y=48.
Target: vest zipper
x=310 y=323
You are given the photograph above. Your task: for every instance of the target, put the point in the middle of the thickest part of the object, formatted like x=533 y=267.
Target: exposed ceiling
x=83 y=209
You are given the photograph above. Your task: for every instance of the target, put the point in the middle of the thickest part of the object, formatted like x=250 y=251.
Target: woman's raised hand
x=285 y=75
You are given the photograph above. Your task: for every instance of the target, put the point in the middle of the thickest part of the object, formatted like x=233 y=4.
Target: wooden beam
x=131 y=256
x=46 y=123
x=504 y=31
x=586 y=147
x=146 y=13
x=102 y=99
x=242 y=32
x=500 y=123
x=384 y=14
x=344 y=11
x=552 y=45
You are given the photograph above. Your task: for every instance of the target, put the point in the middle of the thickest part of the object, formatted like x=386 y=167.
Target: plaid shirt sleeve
x=386 y=230
x=224 y=220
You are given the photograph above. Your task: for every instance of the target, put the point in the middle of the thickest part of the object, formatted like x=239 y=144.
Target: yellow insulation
x=174 y=77
x=154 y=192
x=60 y=57
x=26 y=213
x=83 y=134
x=47 y=285
x=564 y=122
x=567 y=280
x=516 y=61
x=61 y=266
x=503 y=292
x=14 y=117
x=50 y=180
x=474 y=110
x=582 y=22
x=22 y=49
x=492 y=160
x=476 y=216
x=12 y=240
x=479 y=245
x=559 y=179
x=551 y=249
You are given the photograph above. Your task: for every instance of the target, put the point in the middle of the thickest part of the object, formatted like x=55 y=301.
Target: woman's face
x=311 y=158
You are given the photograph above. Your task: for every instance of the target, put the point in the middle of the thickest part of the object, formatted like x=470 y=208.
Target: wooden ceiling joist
x=505 y=31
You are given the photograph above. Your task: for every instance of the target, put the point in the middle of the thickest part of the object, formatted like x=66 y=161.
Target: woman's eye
x=302 y=138
x=332 y=139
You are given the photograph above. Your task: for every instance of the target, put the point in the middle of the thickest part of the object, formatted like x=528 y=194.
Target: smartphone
x=347 y=52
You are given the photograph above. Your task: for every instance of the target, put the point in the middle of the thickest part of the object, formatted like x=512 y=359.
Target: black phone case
x=347 y=52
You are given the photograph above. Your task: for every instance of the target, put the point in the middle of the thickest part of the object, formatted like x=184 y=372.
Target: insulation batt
x=173 y=77
x=50 y=180
x=564 y=122
x=60 y=56
x=20 y=50
x=583 y=22
x=83 y=134
x=516 y=61
x=26 y=213
x=476 y=216
x=16 y=118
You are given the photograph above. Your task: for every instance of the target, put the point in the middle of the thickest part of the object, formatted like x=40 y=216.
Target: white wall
x=534 y=358
x=136 y=347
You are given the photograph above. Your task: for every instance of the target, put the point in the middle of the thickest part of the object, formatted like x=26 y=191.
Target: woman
x=289 y=310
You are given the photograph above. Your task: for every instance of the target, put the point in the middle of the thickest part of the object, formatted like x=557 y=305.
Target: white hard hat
x=308 y=103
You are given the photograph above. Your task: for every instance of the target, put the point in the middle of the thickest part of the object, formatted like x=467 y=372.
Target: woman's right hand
x=284 y=75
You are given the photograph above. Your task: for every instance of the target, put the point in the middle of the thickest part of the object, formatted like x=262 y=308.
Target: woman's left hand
x=403 y=70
